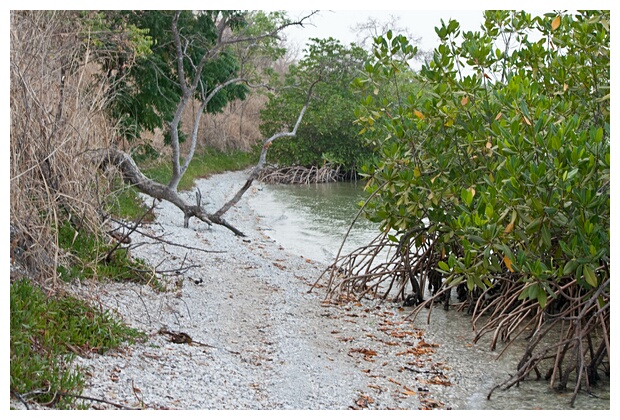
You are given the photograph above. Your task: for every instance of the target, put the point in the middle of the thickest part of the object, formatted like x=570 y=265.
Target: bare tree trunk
x=190 y=87
x=133 y=175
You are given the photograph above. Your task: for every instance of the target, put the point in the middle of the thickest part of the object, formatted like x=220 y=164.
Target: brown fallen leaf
x=408 y=391
x=423 y=343
x=436 y=380
x=364 y=400
x=280 y=266
x=367 y=352
x=429 y=403
x=389 y=343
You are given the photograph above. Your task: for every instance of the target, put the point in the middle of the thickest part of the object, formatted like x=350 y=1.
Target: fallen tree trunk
x=132 y=175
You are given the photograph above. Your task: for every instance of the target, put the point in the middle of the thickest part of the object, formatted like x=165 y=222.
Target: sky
x=420 y=23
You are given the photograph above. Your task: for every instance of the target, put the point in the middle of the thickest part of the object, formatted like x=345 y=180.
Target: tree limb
x=263 y=157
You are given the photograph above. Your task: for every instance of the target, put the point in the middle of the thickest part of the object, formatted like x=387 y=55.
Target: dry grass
x=236 y=128
x=56 y=115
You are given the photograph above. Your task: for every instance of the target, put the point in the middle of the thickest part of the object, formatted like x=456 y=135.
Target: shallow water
x=311 y=221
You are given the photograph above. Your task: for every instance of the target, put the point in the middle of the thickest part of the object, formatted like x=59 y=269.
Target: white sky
x=420 y=23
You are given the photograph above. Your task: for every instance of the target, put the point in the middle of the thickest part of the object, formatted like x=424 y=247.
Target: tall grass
x=57 y=114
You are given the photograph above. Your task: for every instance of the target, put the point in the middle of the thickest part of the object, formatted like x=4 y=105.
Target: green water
x=312 y=220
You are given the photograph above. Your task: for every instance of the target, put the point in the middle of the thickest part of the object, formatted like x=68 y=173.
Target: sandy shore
x=266 y=342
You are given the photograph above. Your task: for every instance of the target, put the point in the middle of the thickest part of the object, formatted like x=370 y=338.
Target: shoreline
x=267 y=343
x=261 y=340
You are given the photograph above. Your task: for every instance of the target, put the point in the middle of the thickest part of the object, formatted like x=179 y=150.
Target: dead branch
x=126 y=235
x=159 y=239
x=216 y=217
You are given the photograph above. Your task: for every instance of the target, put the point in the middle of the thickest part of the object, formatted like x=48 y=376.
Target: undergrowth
x=92 y=257
x=46 y=333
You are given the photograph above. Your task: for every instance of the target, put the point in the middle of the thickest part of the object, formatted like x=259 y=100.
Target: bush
x=500 y=166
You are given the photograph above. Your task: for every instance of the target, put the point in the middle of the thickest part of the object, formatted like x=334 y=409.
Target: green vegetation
x=502 y=171
x=93 y=257
x=46 y=332
x=126 y=203
x=326 y=134
x=209 y=161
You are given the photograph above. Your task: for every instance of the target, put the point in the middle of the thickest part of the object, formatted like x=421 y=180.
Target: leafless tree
x=189 y=88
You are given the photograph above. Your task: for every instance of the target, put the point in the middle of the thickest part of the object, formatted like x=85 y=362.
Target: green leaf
x=589 y=275
x=542 y=297
x=467 y=196
x=444 y=266
x=569 y=267
x=546 y=236
x=488 y=211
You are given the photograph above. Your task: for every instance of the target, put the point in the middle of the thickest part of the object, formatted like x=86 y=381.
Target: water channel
x=311 y=220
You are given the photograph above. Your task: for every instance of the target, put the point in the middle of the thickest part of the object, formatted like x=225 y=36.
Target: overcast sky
x=420 y=23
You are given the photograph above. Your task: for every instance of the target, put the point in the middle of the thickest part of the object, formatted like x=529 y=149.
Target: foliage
x=126 y=203
x=509 y=165
x=45 y=333
x=327 y=134
x=90 y=256
x=496 y=175
x=143 y=79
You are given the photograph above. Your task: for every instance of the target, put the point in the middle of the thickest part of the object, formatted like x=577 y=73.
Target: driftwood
x=134 y=176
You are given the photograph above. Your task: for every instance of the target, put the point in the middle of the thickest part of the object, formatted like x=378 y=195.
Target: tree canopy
x=142 y=73
x=327 y=134
x=498 y=167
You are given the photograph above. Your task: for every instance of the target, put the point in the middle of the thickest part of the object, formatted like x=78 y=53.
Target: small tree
x=496 y=175
x=327 y=134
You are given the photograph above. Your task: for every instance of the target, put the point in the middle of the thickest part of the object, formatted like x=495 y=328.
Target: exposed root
x=568 y=338
x=300 y=175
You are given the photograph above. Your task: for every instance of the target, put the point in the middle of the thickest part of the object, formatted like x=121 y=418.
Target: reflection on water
x=311 y=220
